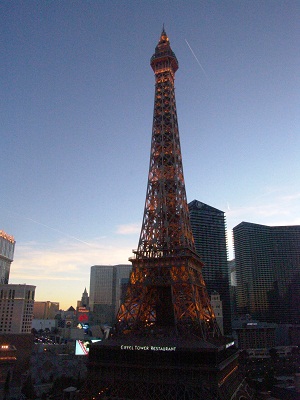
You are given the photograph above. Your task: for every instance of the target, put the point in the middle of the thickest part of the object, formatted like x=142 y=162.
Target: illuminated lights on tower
x=166 y=343
x=166 y=289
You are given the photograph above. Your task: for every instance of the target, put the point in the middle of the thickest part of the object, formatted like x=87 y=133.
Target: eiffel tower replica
x=166 y=344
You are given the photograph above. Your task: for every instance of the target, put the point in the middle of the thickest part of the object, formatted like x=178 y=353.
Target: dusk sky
x=77 y=94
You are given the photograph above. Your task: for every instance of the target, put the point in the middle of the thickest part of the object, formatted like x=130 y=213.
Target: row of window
x=4 y=294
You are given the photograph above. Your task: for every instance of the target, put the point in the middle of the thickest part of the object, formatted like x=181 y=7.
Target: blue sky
x=76 y=114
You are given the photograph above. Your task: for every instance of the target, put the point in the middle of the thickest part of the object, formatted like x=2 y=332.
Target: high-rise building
x=7 y=247
x=107 y=284
x=267 y=260
x=209 y=231
x=16 y=314
x=166 y=343
x=16 y=308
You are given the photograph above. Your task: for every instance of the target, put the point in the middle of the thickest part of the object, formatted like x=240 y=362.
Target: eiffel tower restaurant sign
x=147 y=348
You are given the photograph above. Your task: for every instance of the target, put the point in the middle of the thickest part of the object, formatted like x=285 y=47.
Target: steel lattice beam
x=166 y=345
x=166 y=287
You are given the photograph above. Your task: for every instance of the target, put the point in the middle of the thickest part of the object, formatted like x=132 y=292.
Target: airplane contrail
x=203 y=70
x=59 y=231
x=53 y=229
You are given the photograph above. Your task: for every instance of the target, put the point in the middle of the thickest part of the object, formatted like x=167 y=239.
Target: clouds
x=283 y=208
x=292 y=197
x=77 y=145
x=61 y=270
x=274 y=207
x=129 y=229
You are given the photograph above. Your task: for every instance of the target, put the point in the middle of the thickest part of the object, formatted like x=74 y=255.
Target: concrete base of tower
x=163 y=368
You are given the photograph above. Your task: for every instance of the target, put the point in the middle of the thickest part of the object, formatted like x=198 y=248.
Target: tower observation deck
x=166 y=343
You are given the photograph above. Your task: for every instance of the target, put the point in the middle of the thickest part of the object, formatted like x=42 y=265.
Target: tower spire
x=166 y=225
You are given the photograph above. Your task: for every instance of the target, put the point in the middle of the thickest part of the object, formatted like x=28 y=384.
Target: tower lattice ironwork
x=166 y=289
x=166 y=343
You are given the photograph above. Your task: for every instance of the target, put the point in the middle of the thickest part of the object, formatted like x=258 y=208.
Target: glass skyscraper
x=267 y=262
x=209 y=231
x=107 y=287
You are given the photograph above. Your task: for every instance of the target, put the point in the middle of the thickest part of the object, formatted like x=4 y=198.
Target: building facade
x=209 y=231
x=107 y=287
x=84 y=299
x=16 y=308
x=7 y=248
x=217 y=305
x=268 y=271
x=252 y=334
x=45 y=309
x=232 y=286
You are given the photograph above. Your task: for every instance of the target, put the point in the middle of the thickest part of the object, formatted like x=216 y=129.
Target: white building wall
x=44 y=324
x=16 y=308
x=217 y=306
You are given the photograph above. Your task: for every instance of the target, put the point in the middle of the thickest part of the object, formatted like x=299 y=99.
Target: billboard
x=82 y=347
